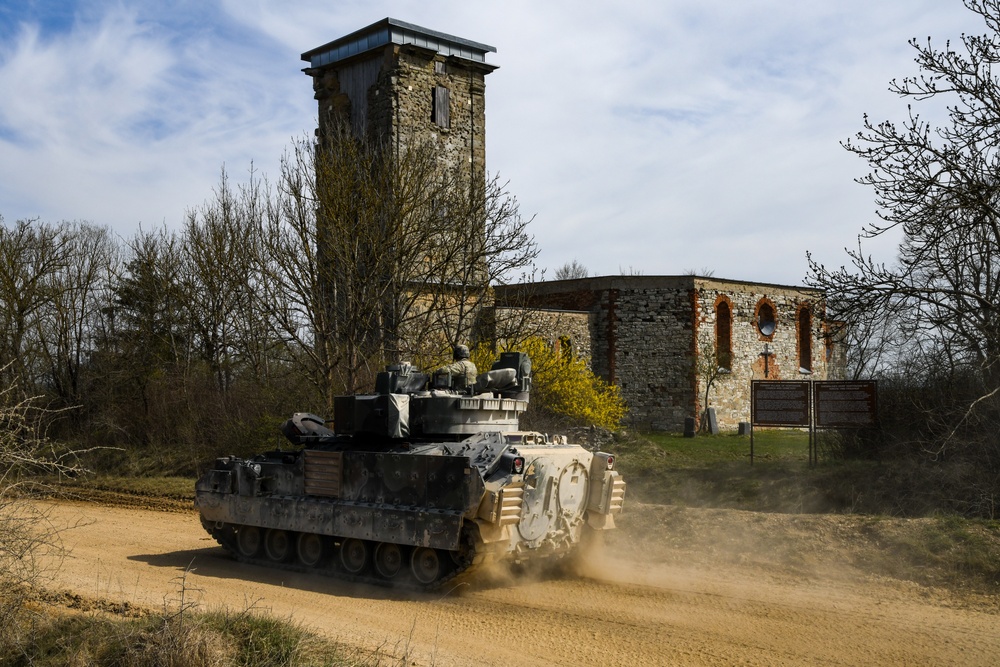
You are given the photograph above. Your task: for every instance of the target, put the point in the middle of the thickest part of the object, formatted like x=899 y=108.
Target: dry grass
x=50 y=634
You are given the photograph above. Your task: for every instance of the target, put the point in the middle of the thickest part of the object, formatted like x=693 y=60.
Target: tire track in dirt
x=621 y=612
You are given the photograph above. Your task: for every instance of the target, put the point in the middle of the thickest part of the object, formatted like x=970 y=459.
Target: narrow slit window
x=723 y=335
x=805 y=340
x=565 y=348
x=440 y=99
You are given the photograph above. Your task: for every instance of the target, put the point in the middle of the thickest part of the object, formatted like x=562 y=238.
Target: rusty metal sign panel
x=845 y=403
x=779 y=403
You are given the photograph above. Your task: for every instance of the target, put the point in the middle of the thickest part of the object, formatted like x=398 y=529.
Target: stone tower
x=397 y=282
x=400 y=82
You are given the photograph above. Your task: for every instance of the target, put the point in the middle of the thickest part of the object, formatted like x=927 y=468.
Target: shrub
x=26 y=536
x=564 y=386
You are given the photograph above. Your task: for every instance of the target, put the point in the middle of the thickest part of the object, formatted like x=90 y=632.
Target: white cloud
x=126 y=120
x=665 y=136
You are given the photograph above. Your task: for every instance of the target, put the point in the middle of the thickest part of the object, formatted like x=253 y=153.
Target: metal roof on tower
x=391 y=31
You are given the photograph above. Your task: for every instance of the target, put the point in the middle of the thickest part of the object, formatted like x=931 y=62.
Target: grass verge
x=715 y=471
x=51 y=636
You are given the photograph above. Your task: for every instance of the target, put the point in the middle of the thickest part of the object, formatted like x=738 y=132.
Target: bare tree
x=32 y=255
x=571 y=270
x=218 y=272
x=372 y=255
x=709 y=369
x=81 y=295
x=26 y=537
x=939 y=185
x=485 y=243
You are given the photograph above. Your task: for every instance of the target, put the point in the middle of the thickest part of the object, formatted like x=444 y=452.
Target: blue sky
x=660 y=136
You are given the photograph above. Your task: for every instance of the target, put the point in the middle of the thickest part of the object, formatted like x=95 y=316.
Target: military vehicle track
x=453 y=568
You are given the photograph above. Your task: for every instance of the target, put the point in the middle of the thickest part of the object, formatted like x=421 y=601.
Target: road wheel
x=248 y=541
x=354 y=555
x=310 y=548
x=425 y=564
x=388 y=560
x=278 y=545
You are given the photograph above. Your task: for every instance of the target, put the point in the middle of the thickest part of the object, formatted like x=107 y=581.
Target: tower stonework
x=404 y=84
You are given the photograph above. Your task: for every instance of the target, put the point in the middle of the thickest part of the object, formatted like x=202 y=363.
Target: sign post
x=780 y=403
x=813 y=405
x=845 y=404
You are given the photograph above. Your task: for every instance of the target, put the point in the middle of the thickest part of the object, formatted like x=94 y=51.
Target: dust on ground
x=671 y=586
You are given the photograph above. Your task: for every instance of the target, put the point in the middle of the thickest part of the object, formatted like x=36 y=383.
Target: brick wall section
x=648 y=334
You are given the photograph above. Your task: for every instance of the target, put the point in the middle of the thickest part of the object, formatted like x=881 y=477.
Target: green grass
x=715 y=471
x=785 y=445
x=953 y=541
x=943 y=550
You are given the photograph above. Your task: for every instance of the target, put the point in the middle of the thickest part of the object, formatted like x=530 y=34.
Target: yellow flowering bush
x=564 y=386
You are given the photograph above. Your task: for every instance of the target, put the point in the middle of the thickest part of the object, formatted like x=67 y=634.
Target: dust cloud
x=670 y=586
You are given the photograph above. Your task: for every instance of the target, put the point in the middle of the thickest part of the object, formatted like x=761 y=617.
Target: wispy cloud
x=125 y=118
x=662 y=135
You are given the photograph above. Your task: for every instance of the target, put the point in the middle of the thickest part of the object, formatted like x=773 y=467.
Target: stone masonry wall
x=388 y=94
x=461 y=144
x=650 y=335
x=641 y=332
x=647 y=332
x=730 y=393
x=557 y=327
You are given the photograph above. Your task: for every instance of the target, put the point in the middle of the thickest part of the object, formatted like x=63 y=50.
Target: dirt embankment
x=691 y=587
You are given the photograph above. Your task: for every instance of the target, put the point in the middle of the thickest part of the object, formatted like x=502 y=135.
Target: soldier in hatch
x=462 y=371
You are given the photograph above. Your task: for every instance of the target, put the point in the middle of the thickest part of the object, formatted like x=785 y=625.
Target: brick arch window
x=766 y=318
x=565 y=348
x=804 y=324
x=724 y=333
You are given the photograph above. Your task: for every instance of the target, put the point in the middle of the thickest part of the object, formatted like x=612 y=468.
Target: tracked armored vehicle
x=414 y=485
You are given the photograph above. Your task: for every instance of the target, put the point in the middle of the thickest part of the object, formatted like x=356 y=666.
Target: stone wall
x=787 y=360
x=645 y=332
x=656 y=337
x=560 y=328
x=389 y=94
x=462 y=143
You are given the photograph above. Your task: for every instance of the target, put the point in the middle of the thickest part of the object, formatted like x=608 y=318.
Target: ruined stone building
x=662 y=338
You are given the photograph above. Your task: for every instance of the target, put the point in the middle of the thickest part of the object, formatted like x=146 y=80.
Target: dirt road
x=622 y=613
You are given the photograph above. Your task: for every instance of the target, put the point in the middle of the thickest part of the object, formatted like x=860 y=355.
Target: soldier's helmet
x=461 y=352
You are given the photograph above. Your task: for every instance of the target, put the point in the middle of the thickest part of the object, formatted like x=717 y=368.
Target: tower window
x=439 y=106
